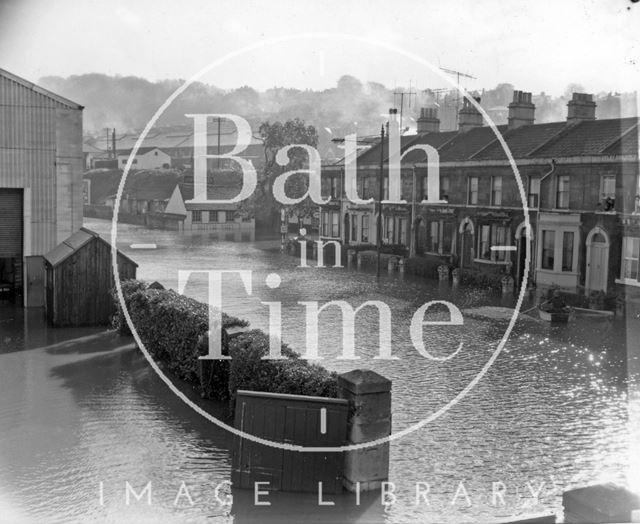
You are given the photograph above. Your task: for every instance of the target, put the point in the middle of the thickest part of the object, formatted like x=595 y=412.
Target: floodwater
x=82 y=413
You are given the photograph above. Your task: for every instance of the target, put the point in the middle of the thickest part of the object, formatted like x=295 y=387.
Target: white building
x=146 y=158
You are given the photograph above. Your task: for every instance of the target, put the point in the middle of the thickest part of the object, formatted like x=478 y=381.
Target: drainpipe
x=412 y=240
x=537 y=232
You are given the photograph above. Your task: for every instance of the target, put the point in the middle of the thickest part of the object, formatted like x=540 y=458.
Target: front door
x=597 y=266
x=35 y=281
x=467 y=247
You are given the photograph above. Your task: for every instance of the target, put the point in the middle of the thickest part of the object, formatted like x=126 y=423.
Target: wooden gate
x=293 y=419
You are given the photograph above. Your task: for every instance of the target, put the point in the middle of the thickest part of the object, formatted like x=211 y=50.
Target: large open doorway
x=11 y=235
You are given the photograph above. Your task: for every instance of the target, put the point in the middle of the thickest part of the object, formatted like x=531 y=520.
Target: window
x=388 y=229
x=608 y=192
x=567 y=251
x=492 y=235
x=447 y=237
x=534 y=191
x=385 y=188
x=362 y=188
x=425 y=187
x=213 y=216
x=196 y=216
x=335 y=224
x=364 y=229
x=402 y=231
x=335 y=187
x=444 y=188
x=354 y=228
x=496 y=190
x=630 y=259
x=433 y=241
x=562 y=196
x=473 y=191
x=498 y=238
x=548 y=247
x=484 y=249
x=608 y=186
x=440 y=236
x=325 y=223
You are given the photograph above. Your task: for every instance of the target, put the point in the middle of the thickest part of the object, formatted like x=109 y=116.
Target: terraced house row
x=579 y=176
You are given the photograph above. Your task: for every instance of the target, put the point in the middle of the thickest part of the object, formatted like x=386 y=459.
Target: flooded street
x=82 y=407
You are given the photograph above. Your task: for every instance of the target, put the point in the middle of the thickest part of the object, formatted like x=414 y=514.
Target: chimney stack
x=469 y=117
x=581 y=107
x=428 y=121
x=521 y=110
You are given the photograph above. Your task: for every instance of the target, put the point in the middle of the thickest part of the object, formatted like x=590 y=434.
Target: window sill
x=627 y=282
x=554 y=272
x=492 y=262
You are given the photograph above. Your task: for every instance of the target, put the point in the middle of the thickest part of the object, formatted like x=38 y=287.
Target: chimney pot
x=581 y=107
x=469 y=117
x=428 y=121
x=521 y=110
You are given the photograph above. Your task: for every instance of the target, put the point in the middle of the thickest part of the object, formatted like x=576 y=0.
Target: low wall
x=150 y=220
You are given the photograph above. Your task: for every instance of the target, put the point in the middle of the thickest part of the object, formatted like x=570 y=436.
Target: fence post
x=369 y=396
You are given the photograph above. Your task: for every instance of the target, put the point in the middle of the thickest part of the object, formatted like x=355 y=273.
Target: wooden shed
x=79 y=280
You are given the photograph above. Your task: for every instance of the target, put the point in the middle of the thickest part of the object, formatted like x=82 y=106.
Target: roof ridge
x=619 y=138
x=40 y=90
x=491 y=142
x=565 y=130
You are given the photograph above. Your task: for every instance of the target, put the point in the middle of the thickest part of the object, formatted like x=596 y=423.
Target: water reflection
x=80 y=407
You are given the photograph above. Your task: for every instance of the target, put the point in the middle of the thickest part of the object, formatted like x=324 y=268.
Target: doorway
x=597 y=260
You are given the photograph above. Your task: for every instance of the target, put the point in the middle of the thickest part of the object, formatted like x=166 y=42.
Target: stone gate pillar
x=369 y=396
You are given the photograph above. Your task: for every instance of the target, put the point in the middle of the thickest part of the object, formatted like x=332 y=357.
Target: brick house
x=579 y=179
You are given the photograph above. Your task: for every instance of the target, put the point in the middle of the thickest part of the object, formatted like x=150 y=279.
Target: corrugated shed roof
x=73 y=244
x=587 y=138
x=521 y=141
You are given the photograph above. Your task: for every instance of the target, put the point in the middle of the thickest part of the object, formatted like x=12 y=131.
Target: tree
x=274 y=137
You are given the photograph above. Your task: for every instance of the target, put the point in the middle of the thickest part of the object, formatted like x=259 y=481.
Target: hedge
x=472 y=277
x=291 y=375
x=424 y=267
x=174 y=330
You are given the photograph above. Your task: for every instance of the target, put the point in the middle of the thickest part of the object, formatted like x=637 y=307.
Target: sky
x=537 y=46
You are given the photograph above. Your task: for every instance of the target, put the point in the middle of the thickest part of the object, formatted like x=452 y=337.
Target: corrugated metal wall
x=32 y=142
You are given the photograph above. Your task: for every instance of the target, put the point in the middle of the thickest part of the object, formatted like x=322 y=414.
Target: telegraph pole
x=380 y=198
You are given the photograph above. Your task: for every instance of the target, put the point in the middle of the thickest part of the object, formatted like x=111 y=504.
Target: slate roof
x=618 y=136
x=625 y=145
x=521 y=141
x=465 y=145
x=586 y=138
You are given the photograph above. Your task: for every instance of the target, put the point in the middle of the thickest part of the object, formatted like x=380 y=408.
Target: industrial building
x=41 y=165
